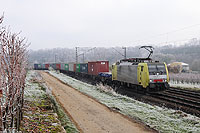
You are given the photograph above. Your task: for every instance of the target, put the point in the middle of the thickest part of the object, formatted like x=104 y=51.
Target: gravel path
x=88 y=114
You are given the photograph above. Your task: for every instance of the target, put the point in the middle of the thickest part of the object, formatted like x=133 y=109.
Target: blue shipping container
x=35 y=66
x=84 y=67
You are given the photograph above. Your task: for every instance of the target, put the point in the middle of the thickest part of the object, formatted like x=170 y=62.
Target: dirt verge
x=88 y=114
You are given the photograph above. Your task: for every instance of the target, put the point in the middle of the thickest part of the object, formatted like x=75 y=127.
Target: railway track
x=185 y=100
x=181 y=99
x=175 y=98
x=187 y=93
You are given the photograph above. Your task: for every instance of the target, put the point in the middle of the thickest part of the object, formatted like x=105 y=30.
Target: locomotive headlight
x=165 y=80
x=151 y=80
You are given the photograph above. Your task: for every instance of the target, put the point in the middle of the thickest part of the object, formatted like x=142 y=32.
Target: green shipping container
x=40 y=66
x=67 y=67
x=78 y=67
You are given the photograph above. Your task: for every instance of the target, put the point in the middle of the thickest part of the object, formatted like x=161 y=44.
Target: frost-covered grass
x=184 y=85
x=42 y=110
x=161 y=119
x=33 y=90
x=38 y=108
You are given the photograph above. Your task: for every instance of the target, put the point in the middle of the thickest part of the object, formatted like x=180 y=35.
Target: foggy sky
x=102 y=23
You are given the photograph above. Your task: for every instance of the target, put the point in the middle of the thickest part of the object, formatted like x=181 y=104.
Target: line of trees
x=188 y=53
x=13 y=64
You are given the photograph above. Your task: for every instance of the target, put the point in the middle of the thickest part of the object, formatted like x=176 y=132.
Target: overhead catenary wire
x=118 y=51
x=167 y=34
x=85 y=53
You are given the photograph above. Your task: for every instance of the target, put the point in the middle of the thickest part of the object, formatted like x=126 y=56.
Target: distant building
x=178 y=67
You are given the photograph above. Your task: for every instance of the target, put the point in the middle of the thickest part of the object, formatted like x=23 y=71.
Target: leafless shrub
x=106 y=89
x=13 y=59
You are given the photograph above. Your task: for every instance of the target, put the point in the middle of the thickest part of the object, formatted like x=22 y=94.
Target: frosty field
x=187 y=86
x=42 y=110
x=161 y=119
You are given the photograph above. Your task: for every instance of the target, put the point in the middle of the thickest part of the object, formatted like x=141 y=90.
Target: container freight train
x=137 y=73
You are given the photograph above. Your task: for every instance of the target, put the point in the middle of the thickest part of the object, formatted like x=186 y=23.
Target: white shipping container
x=71 y=67
x=62 y=66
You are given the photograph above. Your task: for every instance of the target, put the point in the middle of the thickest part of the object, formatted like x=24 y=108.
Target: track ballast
x=175 y=98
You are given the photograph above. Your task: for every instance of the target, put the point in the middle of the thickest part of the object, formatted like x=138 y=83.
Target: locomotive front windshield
x=155 y=69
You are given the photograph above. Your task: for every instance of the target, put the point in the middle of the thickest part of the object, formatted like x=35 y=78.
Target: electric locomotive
x=141 y=73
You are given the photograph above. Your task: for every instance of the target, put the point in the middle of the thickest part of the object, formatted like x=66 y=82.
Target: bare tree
x=13 y=59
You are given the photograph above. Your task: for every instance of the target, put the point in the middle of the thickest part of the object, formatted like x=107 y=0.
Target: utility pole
x=76 y=54
x=85 y=53
x=124 y=52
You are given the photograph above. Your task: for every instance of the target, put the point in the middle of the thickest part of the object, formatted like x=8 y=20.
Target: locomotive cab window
x=157 y=69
